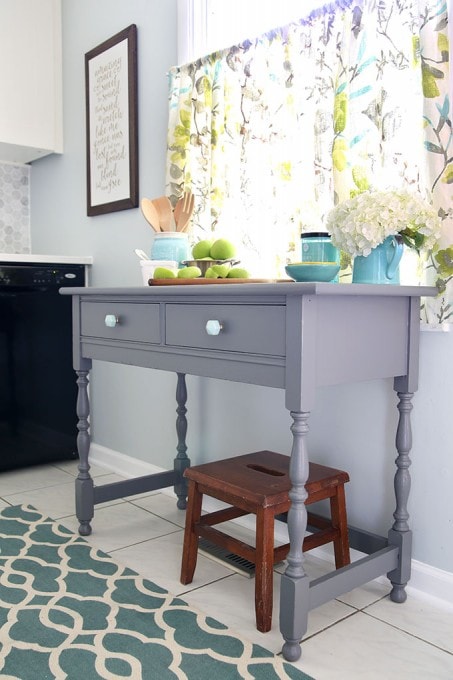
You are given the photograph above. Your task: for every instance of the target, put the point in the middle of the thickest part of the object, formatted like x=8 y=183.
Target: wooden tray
x=203 y=282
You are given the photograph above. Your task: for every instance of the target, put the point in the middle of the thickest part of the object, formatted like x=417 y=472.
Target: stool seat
x=258 y=483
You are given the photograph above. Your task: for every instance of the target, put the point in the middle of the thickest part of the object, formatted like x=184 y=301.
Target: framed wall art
x=112 y=124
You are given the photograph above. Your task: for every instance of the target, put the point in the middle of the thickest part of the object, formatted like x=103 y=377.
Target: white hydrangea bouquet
x=363 y=222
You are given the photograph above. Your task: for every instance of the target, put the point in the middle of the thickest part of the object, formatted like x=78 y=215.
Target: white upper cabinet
x=31 y=111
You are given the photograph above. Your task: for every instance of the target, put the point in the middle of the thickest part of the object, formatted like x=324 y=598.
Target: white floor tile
x=162 y=505
x=56 y=501
x=117 y=526
x=419 y=617
x=359 y=598
x=365 y=595
x=361 y=647
x=72 y=468
x=232 y=600
x=160 y=561
x=37 y=477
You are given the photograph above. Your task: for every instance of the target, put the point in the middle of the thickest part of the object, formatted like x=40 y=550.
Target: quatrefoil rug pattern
x=68 y=610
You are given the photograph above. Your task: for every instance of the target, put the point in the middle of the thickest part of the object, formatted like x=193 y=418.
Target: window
x=205 y=26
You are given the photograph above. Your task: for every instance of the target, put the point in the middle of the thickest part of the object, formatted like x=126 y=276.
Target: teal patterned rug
x=68 y=610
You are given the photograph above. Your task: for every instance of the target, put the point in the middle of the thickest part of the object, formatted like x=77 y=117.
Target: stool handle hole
x=267 y=471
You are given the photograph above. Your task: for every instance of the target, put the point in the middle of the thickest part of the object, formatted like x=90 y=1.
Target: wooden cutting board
x=201 y=281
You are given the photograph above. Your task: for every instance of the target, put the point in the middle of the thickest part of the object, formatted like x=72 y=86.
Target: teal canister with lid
x=316 y=246
x=170 y=245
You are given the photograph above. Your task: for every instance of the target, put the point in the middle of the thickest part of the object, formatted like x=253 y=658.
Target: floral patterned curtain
x=271 y=133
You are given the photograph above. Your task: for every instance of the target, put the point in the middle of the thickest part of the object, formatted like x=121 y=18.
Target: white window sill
x=439 y=327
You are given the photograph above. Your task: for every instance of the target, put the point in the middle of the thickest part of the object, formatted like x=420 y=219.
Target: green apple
x=221 y=270
x=238 y=273
x=201 y=249
x=222 y=249
x=163 y=273
x=189 y=273
x=217 y=271
x=211 y=274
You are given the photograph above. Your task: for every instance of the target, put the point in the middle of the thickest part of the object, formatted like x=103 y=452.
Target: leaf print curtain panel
x=271 y=133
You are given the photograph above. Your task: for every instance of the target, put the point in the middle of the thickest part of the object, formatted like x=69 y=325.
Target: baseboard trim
x=427 y=580
x=121 y=463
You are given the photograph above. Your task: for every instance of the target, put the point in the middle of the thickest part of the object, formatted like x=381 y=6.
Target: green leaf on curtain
x=444 y=259
x=415 y=50
x=340 y=112
x=429 y=146
x=368 y=62
x=437 y=73
x=360 y=179
x=430 y=89
x=359 y=93
x=361 y=50
x=185 y=118
x=339 y=155
x=178 y=156
x=447 y=177
x=443 y=23
x=442 y=42
x=355 y=140
x=441 y=285
x=284 y=171
x=445 y=108
x=202 y=85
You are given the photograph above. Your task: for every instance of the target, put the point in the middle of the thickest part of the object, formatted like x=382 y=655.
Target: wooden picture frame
x=112 y=124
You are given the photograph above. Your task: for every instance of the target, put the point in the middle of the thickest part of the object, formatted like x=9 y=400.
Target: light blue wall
x=134 y=410
x=59 y=222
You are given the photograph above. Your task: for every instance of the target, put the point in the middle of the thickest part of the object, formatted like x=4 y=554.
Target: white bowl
x=148 y=267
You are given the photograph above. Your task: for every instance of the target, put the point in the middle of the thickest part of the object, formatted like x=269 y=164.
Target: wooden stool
x=259 y=483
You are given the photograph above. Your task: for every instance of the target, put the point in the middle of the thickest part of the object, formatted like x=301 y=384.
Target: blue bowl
x=312 y=271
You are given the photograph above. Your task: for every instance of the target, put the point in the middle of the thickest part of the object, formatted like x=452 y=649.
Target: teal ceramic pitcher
x=381 y=265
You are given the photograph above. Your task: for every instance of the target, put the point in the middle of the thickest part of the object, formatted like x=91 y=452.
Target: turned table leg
x=181 y=462
x=400 y=533
x=295 y=583
x=84 y=483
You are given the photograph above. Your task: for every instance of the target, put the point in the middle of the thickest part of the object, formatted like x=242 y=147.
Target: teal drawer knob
x=111 y=320
x=213 y=327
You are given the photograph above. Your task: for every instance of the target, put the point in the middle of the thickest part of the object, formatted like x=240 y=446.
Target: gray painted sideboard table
x=295 y=336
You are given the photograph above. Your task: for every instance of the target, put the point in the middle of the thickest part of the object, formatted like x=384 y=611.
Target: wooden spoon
x=163 y=207
x=150 y=213
x=183 y=210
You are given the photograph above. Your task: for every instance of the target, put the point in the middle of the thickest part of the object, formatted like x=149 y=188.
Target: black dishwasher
x=38 y=392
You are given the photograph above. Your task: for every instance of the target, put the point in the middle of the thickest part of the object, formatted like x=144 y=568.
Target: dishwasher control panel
x=38 y=275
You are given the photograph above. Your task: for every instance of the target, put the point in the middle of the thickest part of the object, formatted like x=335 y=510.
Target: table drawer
x=255 y=329
x=133 y=321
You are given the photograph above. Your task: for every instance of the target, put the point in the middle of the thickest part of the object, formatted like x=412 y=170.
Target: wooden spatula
x=183 y=210
x=150 y=213
x=163 y=207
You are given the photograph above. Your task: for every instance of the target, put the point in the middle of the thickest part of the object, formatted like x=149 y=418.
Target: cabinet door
x=30 y=79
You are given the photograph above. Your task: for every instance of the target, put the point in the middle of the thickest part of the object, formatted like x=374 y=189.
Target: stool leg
x=264 y=571
x=339 y=520
x=190 y=548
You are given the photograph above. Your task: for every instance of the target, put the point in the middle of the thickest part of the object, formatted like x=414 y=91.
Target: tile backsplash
x=14 y=208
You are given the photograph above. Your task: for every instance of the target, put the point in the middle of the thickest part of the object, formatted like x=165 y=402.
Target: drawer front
x=255 y=329
x=130 y=321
